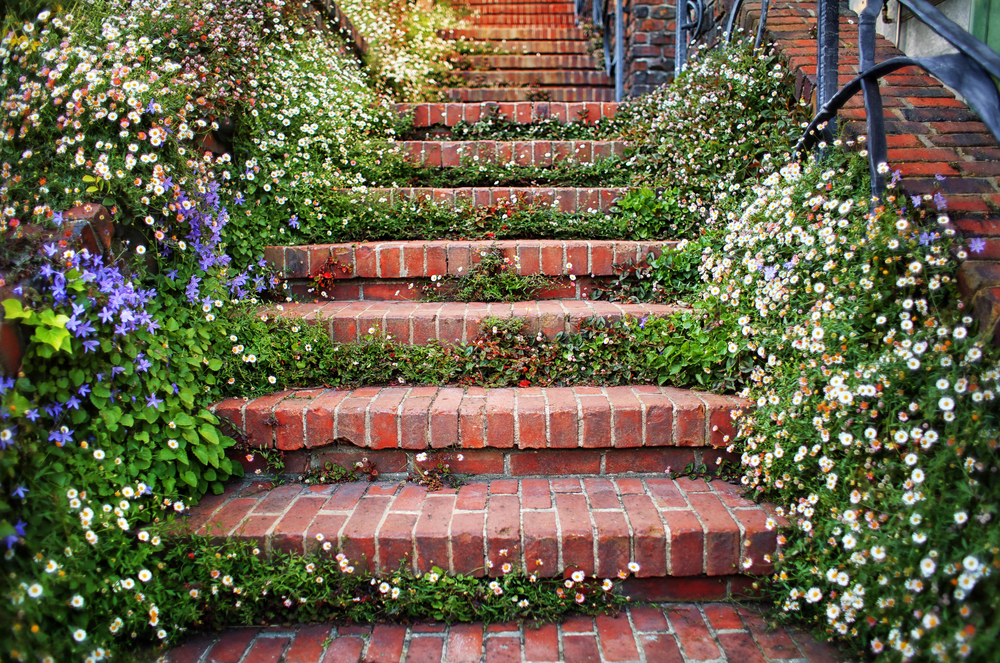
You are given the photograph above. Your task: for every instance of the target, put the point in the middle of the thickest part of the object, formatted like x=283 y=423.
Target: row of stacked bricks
x=700 y=532
x=931 y=135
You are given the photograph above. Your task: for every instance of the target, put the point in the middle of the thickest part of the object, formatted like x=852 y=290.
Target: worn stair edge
x=419 y=323
x=421 y=418
x=539 y=153
x=537 y=78
x=509 y=94
x=565 y=199
x=523 y=112
x=426 y=258
x=679 y=528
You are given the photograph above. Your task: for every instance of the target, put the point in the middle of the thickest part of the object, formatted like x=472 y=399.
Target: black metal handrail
x=611 y=23
x=697 y=22
x=968 y=72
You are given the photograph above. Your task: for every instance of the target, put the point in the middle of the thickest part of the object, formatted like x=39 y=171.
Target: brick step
x=527 y=94
x=540 y=47
x=485 y=33
x=566 y=199
x=670 y=528
x=532 y=61
x=661 y=632
x=541 y=153
x=537 y=78
x=419 y=323
x=606 y=427
x=522 y=8
x=522 y=112
x=491 y=20
x=426 y=258
x=412 y=289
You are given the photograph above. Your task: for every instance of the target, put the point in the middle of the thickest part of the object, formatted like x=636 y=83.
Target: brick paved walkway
x=677 y=633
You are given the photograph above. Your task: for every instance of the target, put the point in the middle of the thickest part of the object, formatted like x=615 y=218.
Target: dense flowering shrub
x=876 y=423
x=406 y=52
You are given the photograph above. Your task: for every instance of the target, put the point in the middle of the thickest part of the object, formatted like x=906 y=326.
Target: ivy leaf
x=53 y=336
x=13 y=310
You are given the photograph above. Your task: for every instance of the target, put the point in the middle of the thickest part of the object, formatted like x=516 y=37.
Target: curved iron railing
x=968 y=72
x=610 y=21
x=699 y=22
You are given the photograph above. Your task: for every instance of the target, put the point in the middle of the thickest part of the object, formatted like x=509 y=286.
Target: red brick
x=659 y=410
x=562 y=418
x=541 y=543
x=386 y=645
x=668 y=589
x=228 y=517
x=617 y=639
x=577 y=533
x=382 y=413
x=467 y=539
x=276 y=501
x=649 y=619
x=665 y=494
x=290 y=531
x=531 y=419
x=626 y=417
x=192 y=650
x=500 y=418
x=773 y=642
x=266 y=650
x=541 y=643
x=465 y=643
x=722 y=616
x=596 y=422
x=231 y=646
x=649 y=535
x=647 y=460
x=552 y=463
x=689 y=418
x=503 y=650
x=816 y=652
x=472 y=497
x=443 y=413
x=535 y=494
x=691 y=631
x=395 y=541
x=741 y=647
x=686 y=542
x=721 y=534
x=259 y=419
x=346 y=497
x=581 y=648
x=503 y=531
x=431 y=532
x=613 y=542
x=425 y=650
x=359 y=531
x=661 y=648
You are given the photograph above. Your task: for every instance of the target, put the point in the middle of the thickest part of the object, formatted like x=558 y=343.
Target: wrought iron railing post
x=680 y=37
x=878 y=149
x=827 y=57
x=619 y=51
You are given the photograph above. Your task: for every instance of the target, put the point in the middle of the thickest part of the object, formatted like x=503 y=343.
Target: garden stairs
x=560 y=477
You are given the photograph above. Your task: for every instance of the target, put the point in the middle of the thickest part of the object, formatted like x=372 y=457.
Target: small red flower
x=523 y=383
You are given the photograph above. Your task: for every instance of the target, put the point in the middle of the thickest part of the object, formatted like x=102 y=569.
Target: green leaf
x=12 y=310
x=201 y=453
x=51 y=336
x=209 y=433
x=189 y=477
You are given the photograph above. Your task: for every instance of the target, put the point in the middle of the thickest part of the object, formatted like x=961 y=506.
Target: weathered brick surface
x=657 y=634
x=598 y=525
x=592 y=424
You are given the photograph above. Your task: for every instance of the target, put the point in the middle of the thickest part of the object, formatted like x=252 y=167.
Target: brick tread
x=518 y=34
x=522 y=8
x=418 y=418
x=560 y=522
x=421 y=322
x=560 y=94
x=539 y=78
x=425 y=258
x=660 y=632
x=567 y=199
x=522 y=112
x=539 y=153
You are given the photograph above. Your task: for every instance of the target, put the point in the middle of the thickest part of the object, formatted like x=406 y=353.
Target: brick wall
x=649 y=52
x=930 y=133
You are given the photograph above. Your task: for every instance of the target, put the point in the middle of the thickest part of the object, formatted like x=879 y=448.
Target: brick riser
x=679 y=528
x=421 y=418
x=504 y=20
x=539 y=153
x=419 y=323
x=521 y=8
x=405 y=290
x=423 y=259
x=523 y=112
x=561 y=94
x=518 y=34
x=502 y=464
x=539 y=78
x=564 y=199
x=531 y=47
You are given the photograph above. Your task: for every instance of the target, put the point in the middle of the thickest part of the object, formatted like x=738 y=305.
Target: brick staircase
x=572 y=476
x=540 y=55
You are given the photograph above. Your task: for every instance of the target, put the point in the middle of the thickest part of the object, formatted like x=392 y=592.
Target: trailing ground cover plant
x=875 y=426
x=494 y=278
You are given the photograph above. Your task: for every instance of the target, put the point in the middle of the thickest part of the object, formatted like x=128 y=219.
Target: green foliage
x=875 y=425
x=494 y=278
